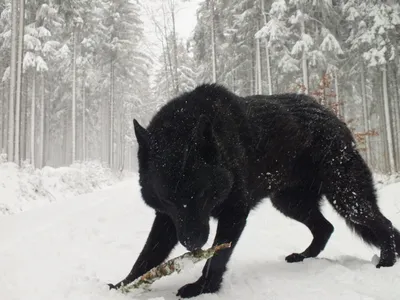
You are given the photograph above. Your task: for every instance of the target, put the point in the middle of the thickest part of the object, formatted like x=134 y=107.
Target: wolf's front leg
x=230 y=226
x=160 y=242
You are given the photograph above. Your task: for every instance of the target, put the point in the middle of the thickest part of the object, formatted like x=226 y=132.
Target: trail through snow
x=72 y=249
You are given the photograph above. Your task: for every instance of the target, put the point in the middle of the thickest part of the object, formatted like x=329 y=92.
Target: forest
x=74 y=73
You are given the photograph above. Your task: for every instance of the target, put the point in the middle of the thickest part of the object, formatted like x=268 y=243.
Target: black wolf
x=210 y=153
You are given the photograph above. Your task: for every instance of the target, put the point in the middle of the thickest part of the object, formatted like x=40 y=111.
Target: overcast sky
x=186 y=18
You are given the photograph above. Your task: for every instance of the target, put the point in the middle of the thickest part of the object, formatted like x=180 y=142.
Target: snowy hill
x=72 y=249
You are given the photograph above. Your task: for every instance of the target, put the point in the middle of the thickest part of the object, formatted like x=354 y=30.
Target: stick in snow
x=176 y=264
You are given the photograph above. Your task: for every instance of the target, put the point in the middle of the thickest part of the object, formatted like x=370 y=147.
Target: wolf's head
x=182 y=175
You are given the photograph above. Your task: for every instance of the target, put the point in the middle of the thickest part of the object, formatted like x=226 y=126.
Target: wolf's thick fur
x=212 y=153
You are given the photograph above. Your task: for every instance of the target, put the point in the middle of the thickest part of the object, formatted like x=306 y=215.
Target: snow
x=22 y=188
x=331 y=44
x=71 y=249
x=43 y=32
x=29 y=60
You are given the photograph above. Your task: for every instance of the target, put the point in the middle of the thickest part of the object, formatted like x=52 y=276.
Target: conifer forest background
x=74 y=73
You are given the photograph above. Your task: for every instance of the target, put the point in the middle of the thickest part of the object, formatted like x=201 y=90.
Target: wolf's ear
x=142 y=135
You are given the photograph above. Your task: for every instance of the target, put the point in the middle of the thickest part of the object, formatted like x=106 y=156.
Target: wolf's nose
x=192 y=244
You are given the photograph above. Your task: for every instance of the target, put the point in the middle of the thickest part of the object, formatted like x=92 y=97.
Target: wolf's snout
x=193 y=242
x=193 y=235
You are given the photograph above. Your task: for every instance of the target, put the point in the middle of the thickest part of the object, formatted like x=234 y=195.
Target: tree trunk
x=365 y=112
x=213 y=43
x=250 y=72
x=122 y=153
x=13 y=67
x=337 y=94
x=84 y=122
x=22 y=137
x=64 y=158
x=269 y=78
x=304 y=61
x=42 y=120
x=392 y=165
x=105 y=124
x=267 y=55
x=164 y=49
x=259 y=70
x=175 y=48
x=172 y=74
x=120 y=135
x=397 y=110
x=2 y=103
x=111 y=116
x=26 y=143
x=19 y=81
x=33 y=110
x=74 y=96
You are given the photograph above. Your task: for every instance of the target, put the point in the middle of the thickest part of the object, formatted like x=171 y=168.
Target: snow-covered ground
x=72 y=249
x=22 y=188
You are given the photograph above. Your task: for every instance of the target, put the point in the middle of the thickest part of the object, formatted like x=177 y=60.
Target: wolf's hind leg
x=302 y=205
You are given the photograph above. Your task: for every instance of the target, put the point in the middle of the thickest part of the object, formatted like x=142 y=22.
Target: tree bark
x=42 y=121
x=175 y=47
x=19 y=81
x=259 y=70
x=397 y=110
x=22 y=137
x=267 y=55
x=168 y=53
x=304 y=60
x=13 y=67
x=392 y=165
x=74 y=95
x=337 y=94
x=167 y=75
x=2 y=102
x=84 y=122
x=111 y=116
x=33 y=111
x=365 y=111
x=213 y=43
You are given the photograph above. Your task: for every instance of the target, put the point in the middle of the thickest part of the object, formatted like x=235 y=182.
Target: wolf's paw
x=295 y=257
x=386 y=261
x=196 y=288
